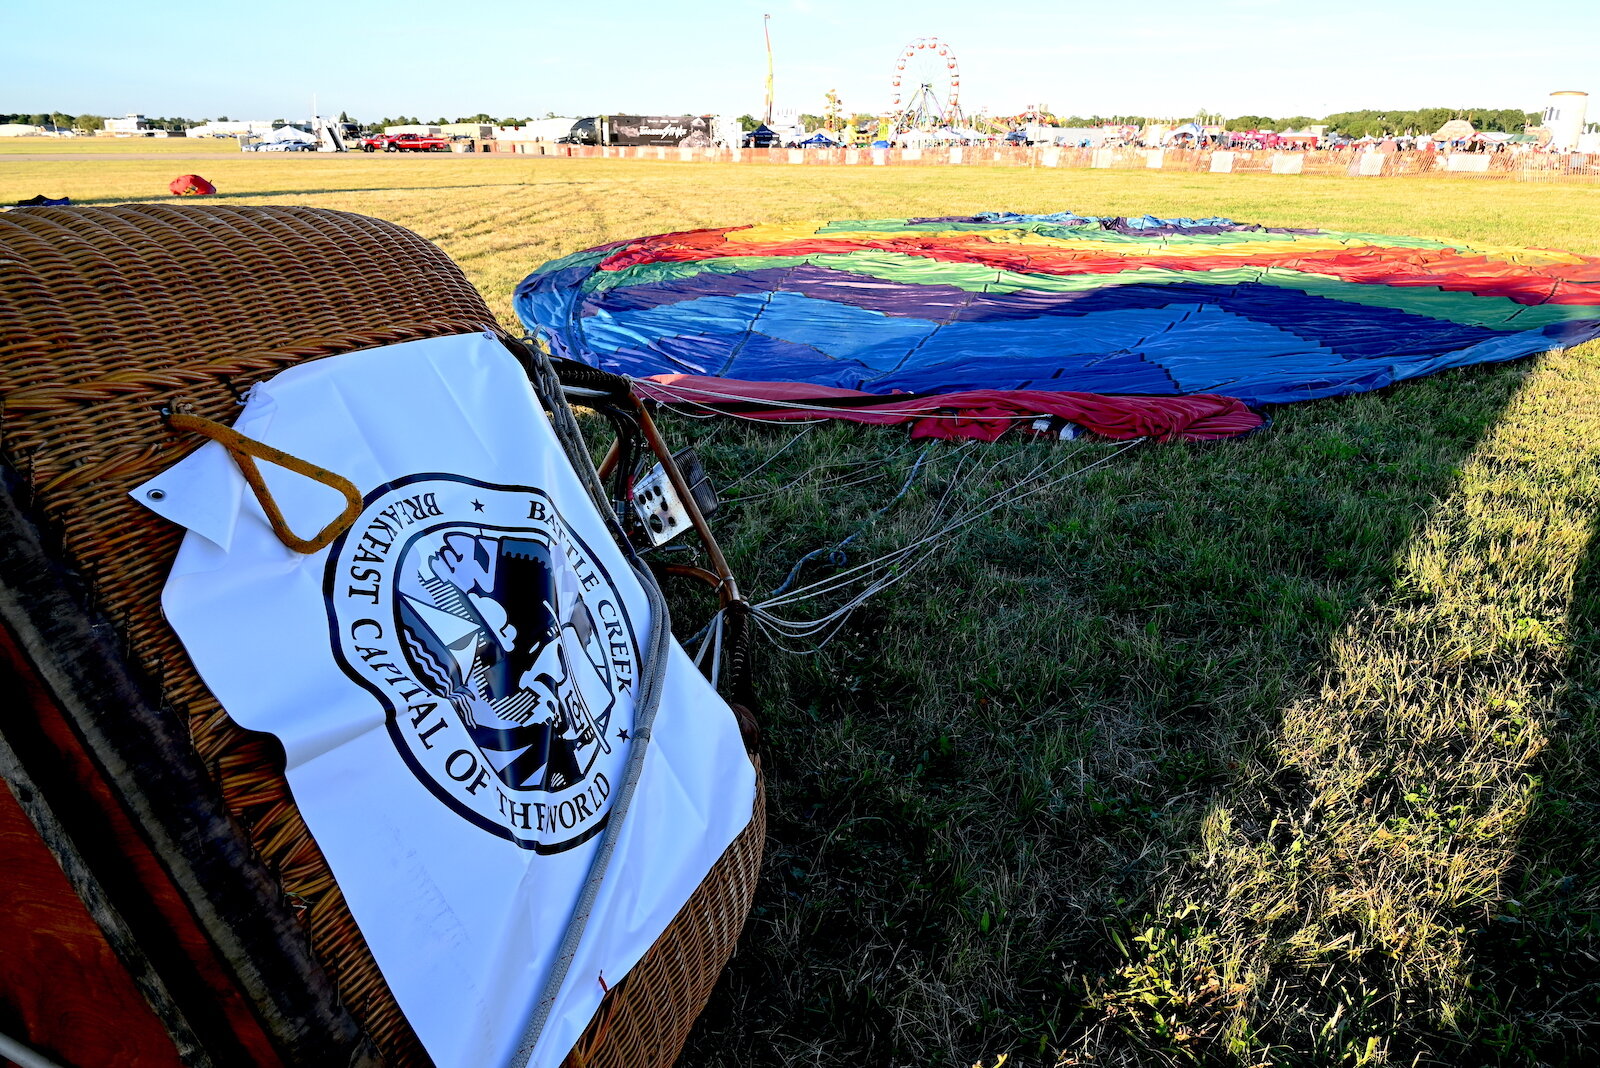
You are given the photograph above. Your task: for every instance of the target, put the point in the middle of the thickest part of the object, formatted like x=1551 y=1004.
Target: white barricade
x=1154 y=158
x=1467 y=162
x=1102 y=159
x=1222 y=163
x=1050 y=157
x=911 y=154
x=880 y=156
x=955 y=154
x=1371 y=164
x=797 y=155
x=1288 y=163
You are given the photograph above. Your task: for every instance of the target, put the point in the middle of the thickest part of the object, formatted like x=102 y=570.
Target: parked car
x=281 y=146
x=406 y=142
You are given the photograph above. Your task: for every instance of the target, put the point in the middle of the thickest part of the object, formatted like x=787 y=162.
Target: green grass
x=1278 y=751
x=79 y=146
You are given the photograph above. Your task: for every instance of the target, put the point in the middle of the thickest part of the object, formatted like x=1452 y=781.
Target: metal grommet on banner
x=245 y=451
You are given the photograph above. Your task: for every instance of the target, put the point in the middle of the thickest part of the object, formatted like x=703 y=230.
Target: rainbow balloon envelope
x=1057 y=303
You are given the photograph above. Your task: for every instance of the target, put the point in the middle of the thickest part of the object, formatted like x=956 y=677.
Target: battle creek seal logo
x=500 y=648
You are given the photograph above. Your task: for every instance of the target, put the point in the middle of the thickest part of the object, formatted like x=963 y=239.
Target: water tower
x=1564 y=116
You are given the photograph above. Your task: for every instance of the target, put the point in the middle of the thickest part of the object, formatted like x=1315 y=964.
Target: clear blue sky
x=1157 y=57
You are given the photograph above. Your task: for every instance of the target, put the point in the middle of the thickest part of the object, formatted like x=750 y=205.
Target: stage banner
x=666 y=131
x=456 y=683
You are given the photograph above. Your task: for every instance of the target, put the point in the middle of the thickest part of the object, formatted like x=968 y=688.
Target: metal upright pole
x=766 y=29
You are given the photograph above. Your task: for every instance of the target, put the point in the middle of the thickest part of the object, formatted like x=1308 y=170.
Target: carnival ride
x=927 y=86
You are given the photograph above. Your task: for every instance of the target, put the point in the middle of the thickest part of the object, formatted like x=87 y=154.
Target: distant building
x=23 y=129
x=536 y=130
x=129 y=126
x=232 y=128
x=483 y=131
x=1564 y=117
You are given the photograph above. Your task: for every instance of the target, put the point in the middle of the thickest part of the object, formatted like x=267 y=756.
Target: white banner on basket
x=454 y=683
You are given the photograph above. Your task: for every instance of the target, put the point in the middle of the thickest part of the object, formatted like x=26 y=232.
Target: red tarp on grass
x=191 y=185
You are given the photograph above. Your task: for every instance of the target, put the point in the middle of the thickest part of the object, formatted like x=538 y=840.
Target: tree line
x=481 y=117
x=60 y=119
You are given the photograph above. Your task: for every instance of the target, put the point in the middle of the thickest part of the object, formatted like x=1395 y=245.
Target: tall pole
x=766 y=29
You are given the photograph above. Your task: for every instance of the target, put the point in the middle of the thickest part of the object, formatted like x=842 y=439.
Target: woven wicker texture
x=110 y=315
x=645 y=1019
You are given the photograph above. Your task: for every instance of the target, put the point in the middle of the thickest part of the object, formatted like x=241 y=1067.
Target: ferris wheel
x=927 y=85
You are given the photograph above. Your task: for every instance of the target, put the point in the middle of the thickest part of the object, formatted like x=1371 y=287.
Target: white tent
x=290 y=133
x=537 y=130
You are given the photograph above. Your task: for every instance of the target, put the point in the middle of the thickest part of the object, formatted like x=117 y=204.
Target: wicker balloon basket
x=108 y=318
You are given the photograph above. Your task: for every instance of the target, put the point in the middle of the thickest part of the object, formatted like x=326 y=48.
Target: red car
x=406 y=142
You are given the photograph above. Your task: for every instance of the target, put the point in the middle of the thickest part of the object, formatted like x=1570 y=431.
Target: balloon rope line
x=835 y=554
x=763 y=465
x=890 y=560
x=925 y=408
x=1039 y=470
x=778 y=629
x=713 y=412
x=998 y=499
x=844 y=480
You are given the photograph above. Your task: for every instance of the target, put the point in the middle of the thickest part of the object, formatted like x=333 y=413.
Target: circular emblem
x=499 y=647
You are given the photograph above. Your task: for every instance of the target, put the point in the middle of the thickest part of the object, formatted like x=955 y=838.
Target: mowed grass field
x=1277 y=751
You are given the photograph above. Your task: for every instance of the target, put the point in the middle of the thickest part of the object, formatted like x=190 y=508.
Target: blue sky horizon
x=1169 y=58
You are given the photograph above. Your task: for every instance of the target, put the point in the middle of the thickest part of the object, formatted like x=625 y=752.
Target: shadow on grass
x=1351 y=897
x=1534 y=997
x=987 y=776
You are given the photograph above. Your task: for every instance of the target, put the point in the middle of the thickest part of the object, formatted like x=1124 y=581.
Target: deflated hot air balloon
x=1000 y=315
